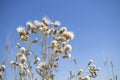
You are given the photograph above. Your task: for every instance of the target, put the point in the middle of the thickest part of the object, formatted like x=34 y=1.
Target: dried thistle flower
x=23 y=59
x=68 y=48
x=54 y=43
x=80 y=72
x=22 y=49
x=63 y=29
x=12 y=63
x=56 y=24
x=38 y=24
x=67 y=56
x=46 y=21
x=58 y=45
x=3 y=67
x=31 y=26
x=21 y=30
x=20 y=65
x=24 y=37
x=68 y=35
x=90 y=62
x=37 y=59
x=19 y=55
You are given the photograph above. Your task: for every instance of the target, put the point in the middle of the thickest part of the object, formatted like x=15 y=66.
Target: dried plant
x=53 y=46
x=110 y=66
x=51 y=51
x=85 y=75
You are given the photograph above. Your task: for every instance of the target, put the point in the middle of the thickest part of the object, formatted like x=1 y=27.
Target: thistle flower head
x=12 y=63
x=45 y=28
x=23 y=59
x=90 y=62
x=47 y=32
x=24 y=37
x=19 y=55
x=3 y=67
x=54 y=43
x=59 y=45
x=22 y=49
x=37 y=59
x=46 y=21
x=68 y=48
x=63 y=29
x=80 y=72
x=21 y=30
x=56 y=24
x=68 y=35
x=37 y=23
x=67 y=56
x=20 y=65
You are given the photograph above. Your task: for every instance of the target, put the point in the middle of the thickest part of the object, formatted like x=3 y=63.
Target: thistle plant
x=91 y=72
x=51 y=51
x=53 y=46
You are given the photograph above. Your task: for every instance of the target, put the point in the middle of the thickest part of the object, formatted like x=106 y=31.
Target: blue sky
x=95 y=23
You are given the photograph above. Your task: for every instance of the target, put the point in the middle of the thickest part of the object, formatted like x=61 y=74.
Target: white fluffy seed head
x=54 y=43
x=21 y=30
x=67 y=56
x=19 y=55
x=90 y=62
x=20 y=65
x=63 y=29
x=3 y=67
x=12 y=63
x=24 y=37
x=56 y=24
x=29 y=24
x=37 y=23
x=80 y=72
x=22 y=49
x=68 y=48
x=68 y=35
x=46 y=21
x=47 y=32
x=38 y=59
x=23 y=59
